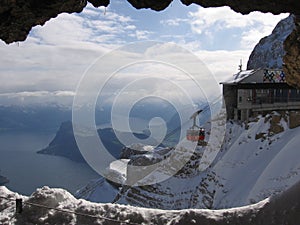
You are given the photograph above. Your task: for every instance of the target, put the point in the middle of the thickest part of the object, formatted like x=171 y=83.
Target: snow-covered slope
x=269 y=51
x=58 y=207
x=251 y=166
x=258 y=163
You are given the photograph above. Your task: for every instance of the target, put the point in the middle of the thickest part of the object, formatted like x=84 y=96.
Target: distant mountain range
x=32 y=118
x=64 y=143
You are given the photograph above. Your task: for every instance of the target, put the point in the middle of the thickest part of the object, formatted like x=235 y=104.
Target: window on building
x=262 y=96
x=294 y=95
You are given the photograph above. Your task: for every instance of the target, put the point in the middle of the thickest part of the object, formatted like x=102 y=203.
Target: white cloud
x=223 y=64
x=37 y=97
x=32 y=67
x=52 y=60
x=65 y=29
x=85 y=28
x=174 y=21
x=141 y=34
x=251 y=27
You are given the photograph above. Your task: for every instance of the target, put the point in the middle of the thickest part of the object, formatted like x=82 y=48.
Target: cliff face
x=64 y=143
x=269 y=52
x=18 y=17
x=281 y=50
x=291 y=59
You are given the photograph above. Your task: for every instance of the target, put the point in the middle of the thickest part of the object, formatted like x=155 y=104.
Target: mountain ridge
x=269 y=52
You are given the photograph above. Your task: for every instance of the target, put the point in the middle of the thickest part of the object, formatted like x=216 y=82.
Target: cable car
x=196 y=133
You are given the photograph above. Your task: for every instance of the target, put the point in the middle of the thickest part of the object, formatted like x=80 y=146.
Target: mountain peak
x=268 y=53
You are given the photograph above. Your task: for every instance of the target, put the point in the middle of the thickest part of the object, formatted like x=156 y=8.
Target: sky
x=49 y=65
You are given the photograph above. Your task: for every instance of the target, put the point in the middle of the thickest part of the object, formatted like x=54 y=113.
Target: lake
x=27 y=170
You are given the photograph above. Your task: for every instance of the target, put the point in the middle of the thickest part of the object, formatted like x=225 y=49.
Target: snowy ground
x=57 y=206
x=253 y=164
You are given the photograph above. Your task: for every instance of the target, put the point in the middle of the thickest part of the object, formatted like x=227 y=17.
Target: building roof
x=260 y=76
x=236 y=78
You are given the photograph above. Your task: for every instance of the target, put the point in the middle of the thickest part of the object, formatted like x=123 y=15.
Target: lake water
x=27 y=170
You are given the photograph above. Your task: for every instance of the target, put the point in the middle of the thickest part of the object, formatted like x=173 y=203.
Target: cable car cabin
x=195 y=134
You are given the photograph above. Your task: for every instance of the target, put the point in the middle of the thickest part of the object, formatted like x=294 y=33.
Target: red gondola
x=196 y=133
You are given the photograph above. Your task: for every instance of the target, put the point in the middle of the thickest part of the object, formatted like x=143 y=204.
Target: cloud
x=141 y=34
x=37 y=97
x=223 y=64
x=52 y=60
x=246 y=29
x=174 y=21
x=32 y=67
x=92 y=26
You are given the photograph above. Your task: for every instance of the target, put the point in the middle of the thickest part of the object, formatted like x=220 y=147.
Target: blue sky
x=49 y=64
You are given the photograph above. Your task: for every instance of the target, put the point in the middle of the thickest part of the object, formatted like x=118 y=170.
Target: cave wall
x=291 y=59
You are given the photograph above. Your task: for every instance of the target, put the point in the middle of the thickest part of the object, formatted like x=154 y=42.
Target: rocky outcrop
x=245 y=7
x=165 y=195
x=269 y=52
x=280 y=50
x=292 y=57
x=64 y=143
x=152 y=4
x=17 y=17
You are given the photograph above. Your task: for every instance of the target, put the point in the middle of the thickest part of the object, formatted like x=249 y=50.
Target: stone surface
x=152 y=4
x=17 y=17
x=245 y=6
x=294 y=119
x=291 y=59
x=269 y=52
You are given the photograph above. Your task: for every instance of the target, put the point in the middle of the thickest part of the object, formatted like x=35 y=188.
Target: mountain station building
x=253 y=92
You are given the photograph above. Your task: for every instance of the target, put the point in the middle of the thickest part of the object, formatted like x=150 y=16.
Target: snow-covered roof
x=259 y=76
x=236 y=78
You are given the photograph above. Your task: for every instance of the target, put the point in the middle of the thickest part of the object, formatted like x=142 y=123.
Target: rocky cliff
x=64 y=143
x=269 y=52
x=292 y=57
x=281 y=49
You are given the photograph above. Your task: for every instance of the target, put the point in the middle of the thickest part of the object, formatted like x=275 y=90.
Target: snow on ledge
x=66 y=209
